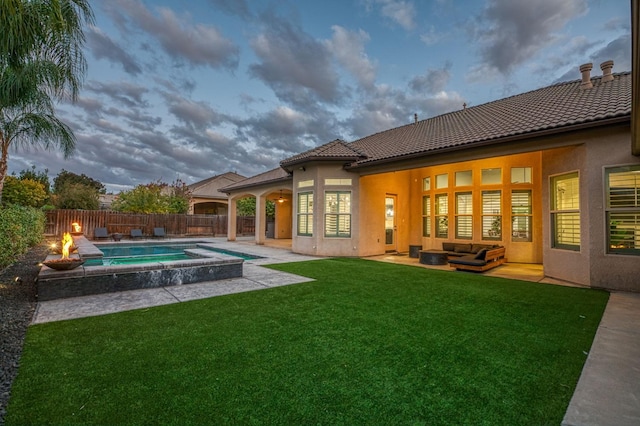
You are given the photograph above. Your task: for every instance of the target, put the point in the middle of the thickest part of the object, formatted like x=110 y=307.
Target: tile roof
x=208 y=188
x=271 y=176
x=335 y=150
x=555 y=107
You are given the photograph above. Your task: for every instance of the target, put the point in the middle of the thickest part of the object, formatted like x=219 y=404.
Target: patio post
x=232 y=220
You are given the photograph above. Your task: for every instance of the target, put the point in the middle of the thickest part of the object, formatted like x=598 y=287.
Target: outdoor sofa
x=474 y=257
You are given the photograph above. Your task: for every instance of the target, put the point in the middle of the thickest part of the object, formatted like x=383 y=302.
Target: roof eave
x=255 y=184
x=287 y=165
x=511 y=138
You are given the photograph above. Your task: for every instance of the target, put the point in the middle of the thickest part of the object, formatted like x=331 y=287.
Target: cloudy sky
x=188 y=90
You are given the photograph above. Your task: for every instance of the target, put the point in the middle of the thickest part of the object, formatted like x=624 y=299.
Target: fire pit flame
x=67 y=241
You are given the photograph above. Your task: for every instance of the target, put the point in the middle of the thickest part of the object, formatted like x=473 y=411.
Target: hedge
x=20 y=228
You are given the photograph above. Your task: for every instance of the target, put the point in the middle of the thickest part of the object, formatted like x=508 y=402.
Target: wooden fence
x=178 y=225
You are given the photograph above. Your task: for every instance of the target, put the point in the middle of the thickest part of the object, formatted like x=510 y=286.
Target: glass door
x=390 y=229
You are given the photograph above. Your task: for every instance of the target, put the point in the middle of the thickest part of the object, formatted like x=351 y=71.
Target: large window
x=464 y=215
x=305 y=213
x=337 y=217
x=426 y=216
x=623 y=209
x=521 y=214
x=565 y=211
x=491 y=215
x=442 y=215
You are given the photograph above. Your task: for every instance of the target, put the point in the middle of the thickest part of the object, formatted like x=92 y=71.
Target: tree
x=24 y=192
x=76 y=196
x=247 y=207
x=41 y=60
x=42 y=177
x=156 y=197
x=65 y=178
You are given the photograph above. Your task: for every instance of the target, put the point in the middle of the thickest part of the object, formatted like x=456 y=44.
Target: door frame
x=393 y=247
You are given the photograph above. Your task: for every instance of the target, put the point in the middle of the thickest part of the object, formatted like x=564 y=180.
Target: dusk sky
x=188 y=90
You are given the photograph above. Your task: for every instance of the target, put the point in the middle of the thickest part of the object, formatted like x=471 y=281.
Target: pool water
x=135 y=254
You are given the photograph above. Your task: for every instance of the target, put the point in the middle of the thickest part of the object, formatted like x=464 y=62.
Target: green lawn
x=367 y=343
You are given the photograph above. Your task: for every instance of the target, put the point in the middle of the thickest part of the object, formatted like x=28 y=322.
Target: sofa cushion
x=477 y=247
x=467 y=260
x=462 y=248
x=481 y=254
x=447 y=246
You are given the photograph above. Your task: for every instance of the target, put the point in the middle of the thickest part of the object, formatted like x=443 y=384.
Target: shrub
x=20 y=228
x=25 y=192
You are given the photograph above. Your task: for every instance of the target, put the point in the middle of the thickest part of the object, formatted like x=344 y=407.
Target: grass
x=367 y=343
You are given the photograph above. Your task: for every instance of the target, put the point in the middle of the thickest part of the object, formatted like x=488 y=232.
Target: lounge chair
x=136 y=233
x=159 y=233
x=100 y=233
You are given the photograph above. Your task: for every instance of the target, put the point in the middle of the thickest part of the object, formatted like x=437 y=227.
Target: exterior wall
x=204 y=206
x=592 y=265
x=567 y=265
x=373 y=190
x=283 y=218
x=610 y=271
x=318 y=244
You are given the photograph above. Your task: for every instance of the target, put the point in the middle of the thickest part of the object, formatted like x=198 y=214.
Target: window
x=442 y=181
x=305 y=183
x=464 y=215
x=442 y=215
x=491 y=176
x=426 y=216
x=565 y=211
x=623 y=209
x=305 y=213
x=337 y=218
x=521 y=214
x=339 y=182
x=491 y=215
x=426 y=184
x=464 y=178
x=521 y=175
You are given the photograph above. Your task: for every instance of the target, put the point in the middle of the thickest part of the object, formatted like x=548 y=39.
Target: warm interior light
x=281 y=200
x=67 y=241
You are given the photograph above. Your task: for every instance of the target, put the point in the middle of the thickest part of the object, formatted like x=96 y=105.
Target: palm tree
x=41 y=60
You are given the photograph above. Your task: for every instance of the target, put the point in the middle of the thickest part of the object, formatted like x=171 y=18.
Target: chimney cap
x=586 y=67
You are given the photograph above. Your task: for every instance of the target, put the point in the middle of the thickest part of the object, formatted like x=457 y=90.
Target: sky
x=189 y=90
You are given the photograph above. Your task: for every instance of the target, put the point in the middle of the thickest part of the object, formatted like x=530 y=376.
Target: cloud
x=179 y=37
x=616 y=24
x=434 y=81
x=399 y=12
x=348 y=48
x=197 y=115
x=511 y=32
x=431 y=36
x=294 y=64
x=124 y=93
x=103 y=47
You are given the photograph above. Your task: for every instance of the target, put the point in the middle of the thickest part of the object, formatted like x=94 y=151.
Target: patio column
x=261 y=219
x=232 y=219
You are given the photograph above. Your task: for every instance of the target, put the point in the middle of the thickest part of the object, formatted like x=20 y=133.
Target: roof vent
x=585 y=69
x=606 y=71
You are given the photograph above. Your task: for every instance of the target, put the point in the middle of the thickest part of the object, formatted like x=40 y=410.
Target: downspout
x=635 y=77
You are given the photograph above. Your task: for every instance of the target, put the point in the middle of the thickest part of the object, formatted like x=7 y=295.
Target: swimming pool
x=120 y=254
x=119 y=267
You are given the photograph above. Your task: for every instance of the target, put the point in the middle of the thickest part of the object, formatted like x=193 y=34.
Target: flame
x=67 y=241
x=76 y=227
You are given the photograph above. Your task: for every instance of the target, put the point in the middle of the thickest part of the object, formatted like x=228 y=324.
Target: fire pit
x=65 y=263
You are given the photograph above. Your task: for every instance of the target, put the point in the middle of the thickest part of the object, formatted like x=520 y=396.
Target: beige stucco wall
x=318 y=244
x=611 y=271
x=592 y=265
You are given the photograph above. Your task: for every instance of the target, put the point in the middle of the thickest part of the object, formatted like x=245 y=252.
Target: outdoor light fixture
x=281 y=200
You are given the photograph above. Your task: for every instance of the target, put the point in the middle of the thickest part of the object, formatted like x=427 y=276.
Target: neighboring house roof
x=560 y=107
x=271 y=176
x=209 y=188
x=337 y=150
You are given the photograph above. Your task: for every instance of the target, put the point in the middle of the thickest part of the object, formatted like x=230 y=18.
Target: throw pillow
x=481 y=254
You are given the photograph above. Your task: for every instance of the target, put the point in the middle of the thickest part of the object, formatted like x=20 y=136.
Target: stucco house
x=549 y=174
x=206 y=197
